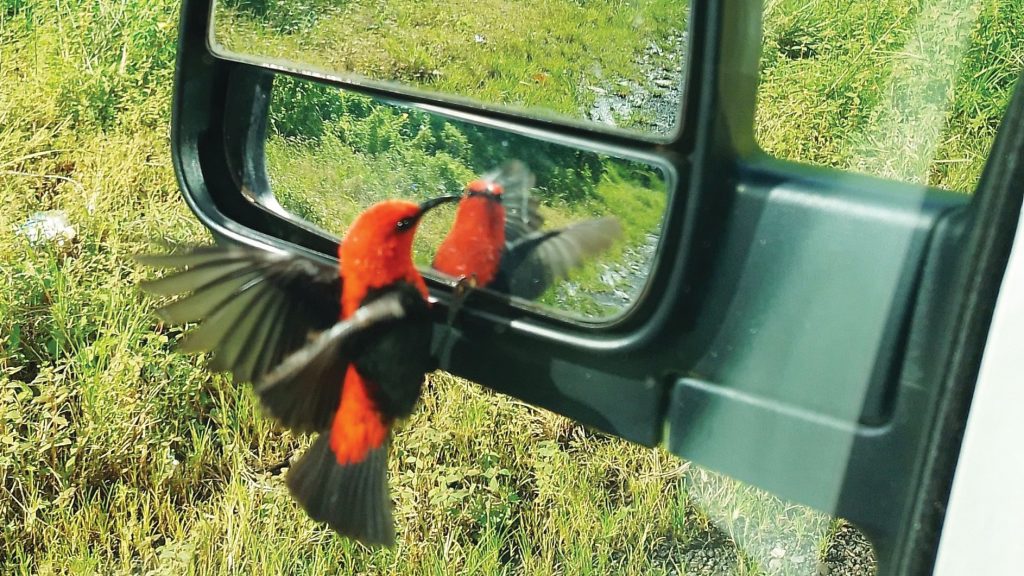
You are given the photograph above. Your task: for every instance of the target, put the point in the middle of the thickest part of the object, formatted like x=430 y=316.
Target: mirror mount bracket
x=219 y=118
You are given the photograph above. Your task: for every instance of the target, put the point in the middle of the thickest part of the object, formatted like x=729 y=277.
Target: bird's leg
x=463 y=287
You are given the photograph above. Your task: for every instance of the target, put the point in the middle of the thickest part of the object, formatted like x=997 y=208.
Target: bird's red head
x=485 y=188
x=377 y=249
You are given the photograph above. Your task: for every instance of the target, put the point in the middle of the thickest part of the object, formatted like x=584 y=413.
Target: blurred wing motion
x=522 y=209
x=535 y=261
x=342 y=478
x=533 y=258
x=255 y=307
x=303 y=391
x=342 y=358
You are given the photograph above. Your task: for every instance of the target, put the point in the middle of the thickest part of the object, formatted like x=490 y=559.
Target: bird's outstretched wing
x=254 y=307
x=538 y=259
x=304 y=390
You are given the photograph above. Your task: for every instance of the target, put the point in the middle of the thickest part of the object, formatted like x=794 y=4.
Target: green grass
x=119 y=456
x=543 y=55
x=906 y=90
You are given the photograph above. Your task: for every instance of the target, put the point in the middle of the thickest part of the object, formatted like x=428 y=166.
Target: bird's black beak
x=487 y=195
x=428 y=205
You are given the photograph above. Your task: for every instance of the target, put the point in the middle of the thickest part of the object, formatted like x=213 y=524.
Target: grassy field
x=119 y=456
x=906 y=90
x=546 y=56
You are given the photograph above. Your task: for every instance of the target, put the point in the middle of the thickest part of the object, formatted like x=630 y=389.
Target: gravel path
x=653 y=104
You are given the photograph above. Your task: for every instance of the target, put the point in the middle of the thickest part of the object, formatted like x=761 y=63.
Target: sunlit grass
x=542 y=55
x=906 y=90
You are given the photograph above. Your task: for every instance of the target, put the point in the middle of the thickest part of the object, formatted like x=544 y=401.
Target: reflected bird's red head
x=484 y=188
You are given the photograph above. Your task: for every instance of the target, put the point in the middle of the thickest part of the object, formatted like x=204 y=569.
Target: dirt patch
x=848 y=554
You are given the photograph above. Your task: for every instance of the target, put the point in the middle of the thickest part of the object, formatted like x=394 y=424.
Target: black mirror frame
x=219 y=124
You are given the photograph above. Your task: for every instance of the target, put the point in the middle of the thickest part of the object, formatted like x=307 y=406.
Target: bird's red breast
x=358 y=426
x=373 y=254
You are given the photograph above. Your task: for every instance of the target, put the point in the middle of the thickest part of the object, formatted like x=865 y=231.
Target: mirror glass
x=604 y=62
x=596 y=222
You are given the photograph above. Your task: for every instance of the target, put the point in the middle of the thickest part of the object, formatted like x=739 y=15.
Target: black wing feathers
x=534 y=262
x=303 y=391
x=274 y=319
x=255 y=306
x=399 y=355
x=352 y=498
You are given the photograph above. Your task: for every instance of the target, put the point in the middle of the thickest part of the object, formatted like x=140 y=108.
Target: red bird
x=344 y=354
x=496 y=240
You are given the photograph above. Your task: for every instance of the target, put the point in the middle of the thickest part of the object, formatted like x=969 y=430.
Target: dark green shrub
x=305 y=110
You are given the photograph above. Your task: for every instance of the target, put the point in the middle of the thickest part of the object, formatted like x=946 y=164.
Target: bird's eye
x=404 y=224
